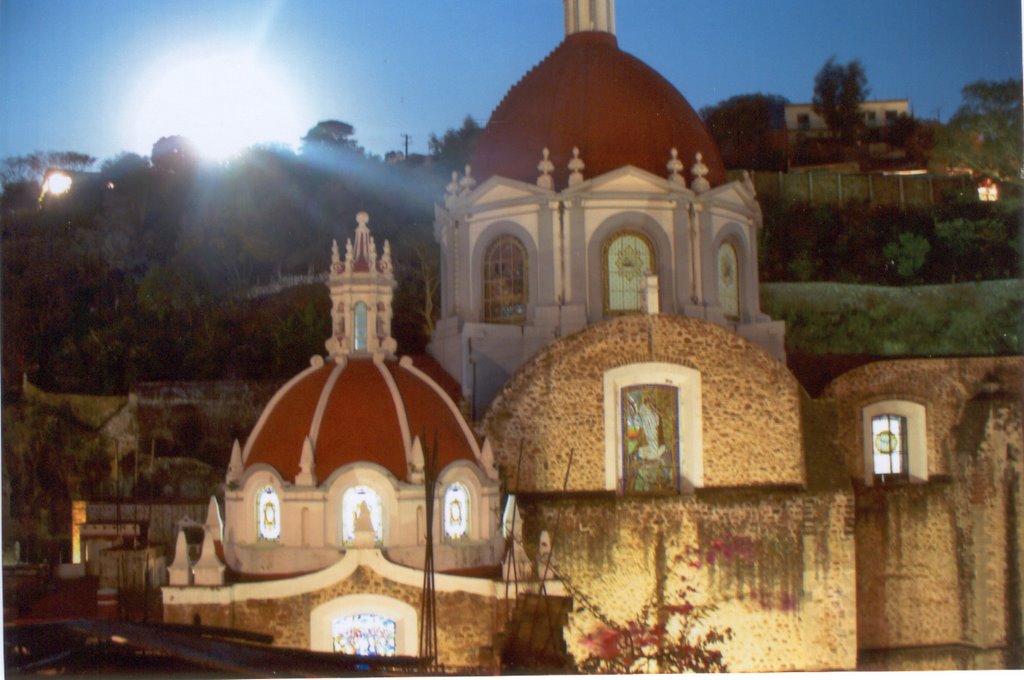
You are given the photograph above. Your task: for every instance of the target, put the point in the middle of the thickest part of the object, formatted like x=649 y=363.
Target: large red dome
x=590 y=94
x=359 y=411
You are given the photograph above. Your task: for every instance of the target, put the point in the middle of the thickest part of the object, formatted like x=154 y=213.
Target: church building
x=608 y=414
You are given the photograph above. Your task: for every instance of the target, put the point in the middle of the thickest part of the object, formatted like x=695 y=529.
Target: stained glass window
x=357 y=500
x=365 y=635
x=360 y=327
x=728 y=281
x=628 y=258
x=505 y=281
x=268 y=514
x=650 y=439
x=456 y=511
x=889 y=445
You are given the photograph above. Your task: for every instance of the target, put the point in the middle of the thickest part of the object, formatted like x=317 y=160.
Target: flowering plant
x=662 y=638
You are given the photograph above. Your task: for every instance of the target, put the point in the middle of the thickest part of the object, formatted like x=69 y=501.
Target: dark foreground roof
x=113 y=648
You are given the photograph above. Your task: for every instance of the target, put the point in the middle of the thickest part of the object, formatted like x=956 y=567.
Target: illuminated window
x=505 y=292
x=628 y=258
x=360 y=327
x=728 y=281
x=895 y=442
x=889 y=446
x=357 y=500
x=456 y=511
x=650 y=441
x=364 y=635
x=988 y=191
x=268 y=514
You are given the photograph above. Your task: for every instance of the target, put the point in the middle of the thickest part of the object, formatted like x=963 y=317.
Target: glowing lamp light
x=57 y=183
x=988 y=191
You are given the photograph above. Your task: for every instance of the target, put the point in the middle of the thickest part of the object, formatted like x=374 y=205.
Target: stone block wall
x=554 y=405
x=466 y=622
x=776 y=567
x=939 y=563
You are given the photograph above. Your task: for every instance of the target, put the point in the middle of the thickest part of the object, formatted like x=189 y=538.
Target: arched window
x=505 y=291
x=357 y=500
x=268 y=514
x=889 y=448
x=653 y=430
x=728 y=280
x=456 y=511
x=365 y=635
x=650 y=439
x=895 y=442
x=628 y=258
x=360 y=327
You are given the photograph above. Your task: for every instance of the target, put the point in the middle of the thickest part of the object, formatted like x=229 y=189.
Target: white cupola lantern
x=589 y=15
x=361 y=286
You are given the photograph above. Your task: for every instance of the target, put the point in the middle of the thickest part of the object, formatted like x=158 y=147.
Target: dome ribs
x=590 y=94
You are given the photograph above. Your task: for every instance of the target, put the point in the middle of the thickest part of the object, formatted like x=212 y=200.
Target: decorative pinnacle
x=674 y=167
x=700 y=184
x=576 y=165
x=545 y=166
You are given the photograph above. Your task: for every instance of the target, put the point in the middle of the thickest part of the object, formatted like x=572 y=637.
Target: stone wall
x=465 y=622
x=939 y=563
x=554 y=405
x=775 y=567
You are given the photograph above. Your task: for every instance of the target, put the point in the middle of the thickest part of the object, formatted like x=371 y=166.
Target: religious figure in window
x=268 y=514
x=650 y=446
x=456 y=511
x=505 y=281
x=889 y=446
x=355 y=502
x=364 y=635
x=628 y=258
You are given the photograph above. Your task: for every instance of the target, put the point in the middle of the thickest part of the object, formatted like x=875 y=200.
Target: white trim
x=406 y=363
x=321 y=406
x=917 y=437
x=690 y=435
x=321 y=620
x=403 y=418
x=341 y=570
x=270 y=407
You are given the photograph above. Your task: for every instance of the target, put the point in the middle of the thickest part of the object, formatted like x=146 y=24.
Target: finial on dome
x=451 y=190
x=336 y=266
x=700 y=184
x=307 y=464
x=674 y=166
x=576 y=166
x=589 y=15
x=235 y=467
x=467 y=182
x=545 y=166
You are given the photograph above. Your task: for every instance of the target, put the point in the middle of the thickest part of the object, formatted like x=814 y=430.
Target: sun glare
x=222 y=101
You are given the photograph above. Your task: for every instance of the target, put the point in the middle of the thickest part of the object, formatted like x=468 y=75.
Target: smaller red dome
x=360 y=411
x=590 y=94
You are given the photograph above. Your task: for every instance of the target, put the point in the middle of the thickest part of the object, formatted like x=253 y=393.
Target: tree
x=330 y=135
x=985 y=132
x=454 y=149
x=745 y=128
x=838 y=93
x=34 y=166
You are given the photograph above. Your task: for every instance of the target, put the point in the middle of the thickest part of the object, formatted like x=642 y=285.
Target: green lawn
x=978 y=319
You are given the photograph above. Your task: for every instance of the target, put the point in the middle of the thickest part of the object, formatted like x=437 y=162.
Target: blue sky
x=74 y=74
